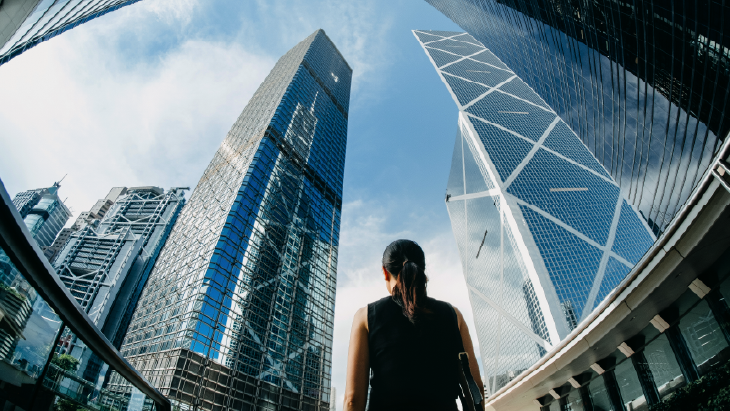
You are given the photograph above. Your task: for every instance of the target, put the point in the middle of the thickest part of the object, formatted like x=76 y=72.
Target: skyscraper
x=85 y=218
x=543 y=231
x=106 y=263
x=25 y=23
x=239 y=308
x=44 y=214
x=645 y=85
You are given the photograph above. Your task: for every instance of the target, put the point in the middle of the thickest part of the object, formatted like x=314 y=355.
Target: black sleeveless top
x=413 y=366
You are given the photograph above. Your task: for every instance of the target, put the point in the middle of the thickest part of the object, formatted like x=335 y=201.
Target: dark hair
x=404 y=259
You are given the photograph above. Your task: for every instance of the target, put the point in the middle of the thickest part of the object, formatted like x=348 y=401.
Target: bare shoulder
x=458 y=314
x=361 y=312
x=361 y=318
x=460 y=318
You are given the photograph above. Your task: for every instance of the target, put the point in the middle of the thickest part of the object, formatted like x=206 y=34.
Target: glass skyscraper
x=238 y=311
x=645 y=84
x=25 y=23
x=543 y=231
x=44 y=214
x=106 y=264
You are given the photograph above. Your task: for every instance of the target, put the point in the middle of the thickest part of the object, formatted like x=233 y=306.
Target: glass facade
x=645 y=85
x=652 y=363
x=36 y=372
x=25 y=23
x=44 y=214
x=543 y=230
x=239 y=308
x=105 y=265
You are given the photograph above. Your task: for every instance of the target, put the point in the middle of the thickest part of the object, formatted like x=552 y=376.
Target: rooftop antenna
x=58 y=183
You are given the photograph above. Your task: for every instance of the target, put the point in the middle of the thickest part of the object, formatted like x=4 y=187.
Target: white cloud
x=73 y=106
x=366 y=231
x=357 y=28
x=78 y=104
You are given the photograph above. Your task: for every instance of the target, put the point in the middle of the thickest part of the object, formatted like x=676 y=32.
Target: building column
x=585 y=396
x=614 y=395
x=681 y=352
x=646 y=378
x=720 y=310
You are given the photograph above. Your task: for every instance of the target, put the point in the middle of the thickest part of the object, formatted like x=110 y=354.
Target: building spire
x=58 y=183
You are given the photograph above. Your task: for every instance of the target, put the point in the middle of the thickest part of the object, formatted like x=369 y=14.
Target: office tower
x=105 y=264
x=44 y=214
x=25 y=23
x=645 y=85
x=238 y=310
x=543 y=231
x=31 y=377
x=96 y=213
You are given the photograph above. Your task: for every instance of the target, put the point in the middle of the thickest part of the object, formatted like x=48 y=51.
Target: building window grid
x=321 y=296
x=463 y=95
x=652 y=20
x=701 y=331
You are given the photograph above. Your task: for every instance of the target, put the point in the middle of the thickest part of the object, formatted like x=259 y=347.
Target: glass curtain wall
x=239 y=308
x=645 y=85
x=30 y=22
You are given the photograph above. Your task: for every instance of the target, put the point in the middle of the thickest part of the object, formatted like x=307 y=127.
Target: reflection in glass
x=238 y=310
x=599 y=395
x=663 y=365
x=28 y=327
x=543 y=231
x=703 y=335
x=645 y=86
x=629 y=386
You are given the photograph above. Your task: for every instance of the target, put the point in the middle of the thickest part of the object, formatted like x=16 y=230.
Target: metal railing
x=27 y=257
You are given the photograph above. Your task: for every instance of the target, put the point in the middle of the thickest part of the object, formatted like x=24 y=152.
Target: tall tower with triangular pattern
x=543 y=231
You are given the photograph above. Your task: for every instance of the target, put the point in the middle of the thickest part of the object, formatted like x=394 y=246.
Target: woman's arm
x=358 y=363
x=469 y=348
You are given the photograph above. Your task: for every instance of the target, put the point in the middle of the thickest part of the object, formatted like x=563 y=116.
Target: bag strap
x=471 y=393
x=459 y=341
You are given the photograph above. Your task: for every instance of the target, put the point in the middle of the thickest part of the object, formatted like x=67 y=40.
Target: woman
x=408 y=341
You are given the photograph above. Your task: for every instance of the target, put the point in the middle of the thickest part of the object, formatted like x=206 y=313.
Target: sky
x=145 y=95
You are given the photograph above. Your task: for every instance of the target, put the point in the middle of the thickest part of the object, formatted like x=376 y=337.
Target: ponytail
x=404 y=259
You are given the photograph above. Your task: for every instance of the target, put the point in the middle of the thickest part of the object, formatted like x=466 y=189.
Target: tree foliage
x=65 y=362
x=709 y=393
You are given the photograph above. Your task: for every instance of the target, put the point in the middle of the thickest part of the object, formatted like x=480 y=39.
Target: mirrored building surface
x=43 y=214
x=645 y=85
x=239 y=308
x=37 y=315
x=25 y=23
x=543 y=231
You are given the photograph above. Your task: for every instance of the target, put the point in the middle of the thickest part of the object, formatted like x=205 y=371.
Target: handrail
x=23 y=251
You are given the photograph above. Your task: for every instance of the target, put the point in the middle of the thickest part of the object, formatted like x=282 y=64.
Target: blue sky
x=144 y=96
